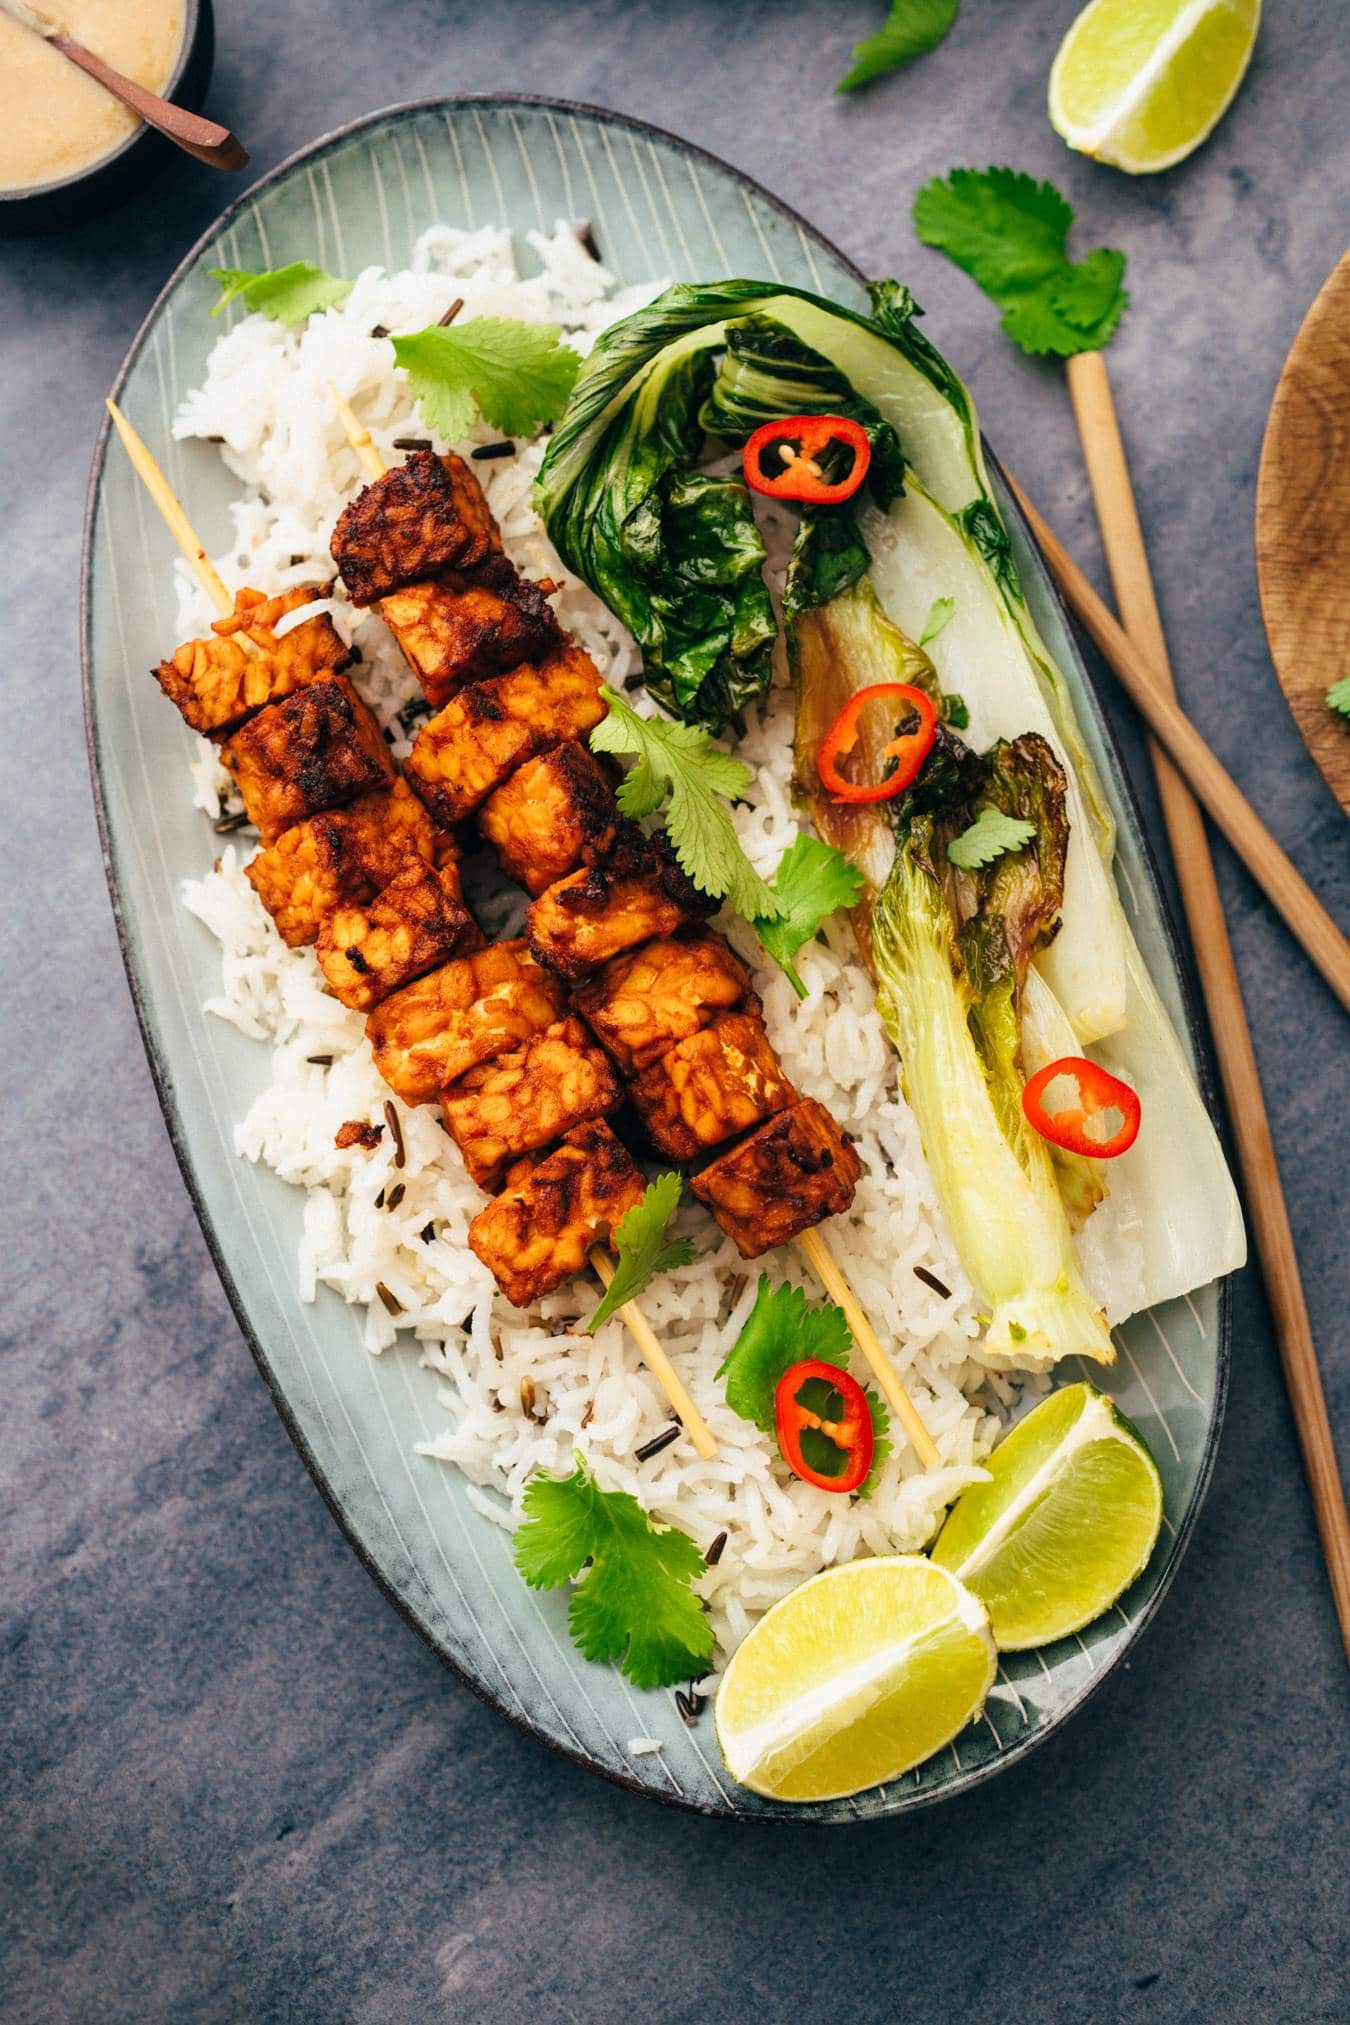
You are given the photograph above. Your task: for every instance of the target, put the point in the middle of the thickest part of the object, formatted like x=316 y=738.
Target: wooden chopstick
x=1151 y=693
x=1132 y=583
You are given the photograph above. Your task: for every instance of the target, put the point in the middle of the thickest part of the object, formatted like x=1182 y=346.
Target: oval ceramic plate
x=656 y=206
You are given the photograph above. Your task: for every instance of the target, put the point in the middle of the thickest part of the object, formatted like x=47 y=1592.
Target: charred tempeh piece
x=424 y=515
x=555 y=812
x=527 y=1098
x=317 y=750
x=346 y=856
x=706 y=1089
x=538 y=1231
x=790 y=1174
x=491 y=728
x=644 y=1002
x=599 y=912
x=216 y=683
x=432 y=1032
x=459 y=628
x=416 y=922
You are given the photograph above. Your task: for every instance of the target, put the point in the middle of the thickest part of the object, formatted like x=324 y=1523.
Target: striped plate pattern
x=656 y=205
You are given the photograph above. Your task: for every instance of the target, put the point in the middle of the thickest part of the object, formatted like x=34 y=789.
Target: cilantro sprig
x=911 y=29
x=784 y=1329
x=1338 y=696
x=287 y=294
x=681 y=760
x=989 y=836
x=634 y=1603
x=813 y=880
x=1010 y=234
x=516 y=375
x=642 y=1246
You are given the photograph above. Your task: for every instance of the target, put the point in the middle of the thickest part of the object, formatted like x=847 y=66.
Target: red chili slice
x=1098 y=1092
x=782 y=458
x=850 y=1433
x=909 y=749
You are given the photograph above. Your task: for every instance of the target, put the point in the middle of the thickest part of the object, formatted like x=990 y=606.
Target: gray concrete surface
x=236 y=1787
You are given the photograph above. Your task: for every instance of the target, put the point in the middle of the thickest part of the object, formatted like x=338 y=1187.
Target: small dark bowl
x=49 y=207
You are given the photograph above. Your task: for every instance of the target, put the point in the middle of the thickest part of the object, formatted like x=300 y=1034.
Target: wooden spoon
x=212 y=144
x=1303 y=528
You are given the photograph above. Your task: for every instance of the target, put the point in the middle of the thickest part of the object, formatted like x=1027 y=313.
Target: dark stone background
x=237 y=1786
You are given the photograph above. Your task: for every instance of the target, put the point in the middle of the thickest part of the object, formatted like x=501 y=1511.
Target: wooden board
x=1303 y=528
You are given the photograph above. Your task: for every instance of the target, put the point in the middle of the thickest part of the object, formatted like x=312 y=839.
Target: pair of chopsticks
x=1189 y=776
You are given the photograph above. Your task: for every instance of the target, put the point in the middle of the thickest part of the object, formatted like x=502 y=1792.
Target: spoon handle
x=212 y=144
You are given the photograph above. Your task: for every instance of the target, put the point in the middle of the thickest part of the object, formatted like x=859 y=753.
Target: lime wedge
x=856 y=1676
x=1066 y=1522
x=1140 y=83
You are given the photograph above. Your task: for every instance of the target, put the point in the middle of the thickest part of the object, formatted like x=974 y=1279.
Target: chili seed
x=932 y=1280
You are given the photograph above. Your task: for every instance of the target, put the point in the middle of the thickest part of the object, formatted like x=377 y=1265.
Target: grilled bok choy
x=723 y=358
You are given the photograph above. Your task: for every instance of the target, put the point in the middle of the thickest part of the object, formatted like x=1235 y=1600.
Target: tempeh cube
x=418 y=921
x=597 y=913
x=491 y=728
x=710 y=1087
x=790 y=1174
x=424 y=515
x=467 y=1012
x=526 y=1099
x=317 y=750
x=345 y=856
x=217 y=683
x=539 y=1230
x=555 y=812
x=642 y=1003
x=455 y=629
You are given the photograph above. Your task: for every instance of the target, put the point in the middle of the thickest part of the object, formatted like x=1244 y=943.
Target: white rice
x=265 y=395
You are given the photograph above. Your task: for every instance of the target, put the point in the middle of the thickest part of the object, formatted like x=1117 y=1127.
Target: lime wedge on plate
x=855 y=1677
x=1140 y=83
x=1065 y=1524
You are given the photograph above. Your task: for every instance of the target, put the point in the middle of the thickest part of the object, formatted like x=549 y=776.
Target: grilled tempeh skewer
x=578 y=1202
x=793 y=1171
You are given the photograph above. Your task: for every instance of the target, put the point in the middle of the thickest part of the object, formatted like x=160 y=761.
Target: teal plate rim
x=897 y=1800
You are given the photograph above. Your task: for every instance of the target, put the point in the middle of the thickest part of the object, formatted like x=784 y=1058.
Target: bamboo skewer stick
x=810 y=1243
x=184 y=534
x=1140 y=677
x=818 y=1256
x=1132 y=582
x=658 y=1363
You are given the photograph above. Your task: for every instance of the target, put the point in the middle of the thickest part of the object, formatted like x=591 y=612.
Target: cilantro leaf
x=1338 y=696
x=989 y=836
x=783 y=1330
x=912 y=28
x=286 y=294
x=813 y=880
x=640 y=1241
x=634 y=1603
x=682 y=759
x=516 y=375
x=1010 y=234
x=939 y=612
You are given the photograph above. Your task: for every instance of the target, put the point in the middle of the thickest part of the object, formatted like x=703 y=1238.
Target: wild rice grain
x=391 y=1301
x=395 y=1195
x=715 y=1552
x=412 y=442
x=503 y=449
x=395 y=1132
x=657 y=1443
x=932 y=1280
x=451 y=313
x=228 y=823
